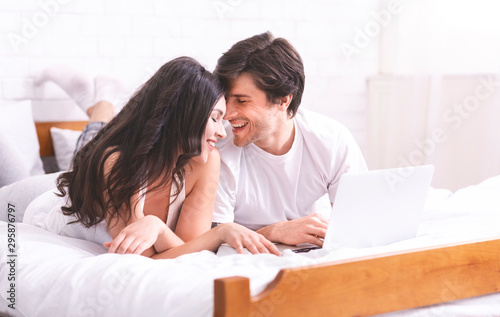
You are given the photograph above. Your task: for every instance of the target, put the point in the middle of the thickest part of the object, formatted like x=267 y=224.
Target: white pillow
x=21 y=146
x=21 y=193
x=64 y=141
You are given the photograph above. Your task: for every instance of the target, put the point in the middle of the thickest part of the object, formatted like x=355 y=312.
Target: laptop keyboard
x=305 y=250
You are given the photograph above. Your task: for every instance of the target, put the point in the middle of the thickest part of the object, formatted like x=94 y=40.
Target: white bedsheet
x=61 y=276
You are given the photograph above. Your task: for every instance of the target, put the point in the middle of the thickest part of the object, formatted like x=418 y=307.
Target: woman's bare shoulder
x=196 y=172
x=110 y=160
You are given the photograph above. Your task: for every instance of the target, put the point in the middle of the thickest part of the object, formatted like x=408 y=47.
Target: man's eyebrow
x=239 y=96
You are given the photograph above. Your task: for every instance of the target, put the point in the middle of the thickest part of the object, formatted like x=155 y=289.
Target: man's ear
x=284 y=102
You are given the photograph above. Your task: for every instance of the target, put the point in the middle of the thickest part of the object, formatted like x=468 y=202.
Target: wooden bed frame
x=43 y=132
x=369 y=286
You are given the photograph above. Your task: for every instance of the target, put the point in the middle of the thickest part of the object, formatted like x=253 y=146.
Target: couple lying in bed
x=152 y=182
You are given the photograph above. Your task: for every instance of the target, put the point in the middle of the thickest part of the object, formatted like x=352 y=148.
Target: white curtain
x=437 y=99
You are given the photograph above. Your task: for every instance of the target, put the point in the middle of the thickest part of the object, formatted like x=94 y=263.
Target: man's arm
x=310 y=229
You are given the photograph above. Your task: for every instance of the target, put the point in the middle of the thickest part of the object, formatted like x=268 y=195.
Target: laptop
x=373 y=208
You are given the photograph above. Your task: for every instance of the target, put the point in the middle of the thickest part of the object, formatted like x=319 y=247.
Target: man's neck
x=281 y=141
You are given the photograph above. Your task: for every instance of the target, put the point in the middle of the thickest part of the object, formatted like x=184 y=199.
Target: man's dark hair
x=273 y=63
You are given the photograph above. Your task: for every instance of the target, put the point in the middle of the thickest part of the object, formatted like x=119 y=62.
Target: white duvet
x=61 y=276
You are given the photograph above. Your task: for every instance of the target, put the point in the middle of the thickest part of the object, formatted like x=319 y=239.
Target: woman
x=157 y=154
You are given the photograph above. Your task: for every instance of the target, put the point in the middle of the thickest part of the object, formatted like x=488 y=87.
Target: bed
x=370 y=286
x=452 y=268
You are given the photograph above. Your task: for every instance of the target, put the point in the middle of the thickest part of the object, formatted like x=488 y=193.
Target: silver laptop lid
x=378 y=207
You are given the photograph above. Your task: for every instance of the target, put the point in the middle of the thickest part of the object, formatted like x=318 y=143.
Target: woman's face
x=213 y=131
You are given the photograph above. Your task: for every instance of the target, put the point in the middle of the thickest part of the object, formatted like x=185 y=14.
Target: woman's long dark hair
x=155 y=135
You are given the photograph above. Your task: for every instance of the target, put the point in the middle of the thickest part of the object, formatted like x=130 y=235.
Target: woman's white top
x=45 y=212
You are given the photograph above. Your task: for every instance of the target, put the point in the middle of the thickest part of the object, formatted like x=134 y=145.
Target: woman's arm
x=233 y=234
x=194 y=219
x=201 y=187
x=139 y=236
x=138 y=233
x=134 y=239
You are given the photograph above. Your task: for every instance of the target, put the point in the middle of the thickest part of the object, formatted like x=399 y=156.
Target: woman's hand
x=137 y=236
x=240 y=237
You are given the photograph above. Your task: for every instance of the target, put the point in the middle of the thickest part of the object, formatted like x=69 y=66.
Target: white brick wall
x=130 y=39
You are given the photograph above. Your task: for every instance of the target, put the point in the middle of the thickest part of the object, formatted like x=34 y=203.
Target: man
x=276 y=161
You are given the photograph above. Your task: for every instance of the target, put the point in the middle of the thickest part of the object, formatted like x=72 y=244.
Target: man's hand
x=310 y=229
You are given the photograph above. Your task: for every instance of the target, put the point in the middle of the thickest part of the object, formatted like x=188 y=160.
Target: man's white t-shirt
x=257 y=189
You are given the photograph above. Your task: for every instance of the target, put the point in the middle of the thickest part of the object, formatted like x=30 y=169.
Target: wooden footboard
x=369 y=286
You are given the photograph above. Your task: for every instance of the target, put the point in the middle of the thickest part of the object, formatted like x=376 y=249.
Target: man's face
x=252 y=116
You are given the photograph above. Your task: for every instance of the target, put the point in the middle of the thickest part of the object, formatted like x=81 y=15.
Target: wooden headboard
x=43 y=132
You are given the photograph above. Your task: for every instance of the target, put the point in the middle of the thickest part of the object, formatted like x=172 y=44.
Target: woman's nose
x=221 y=132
